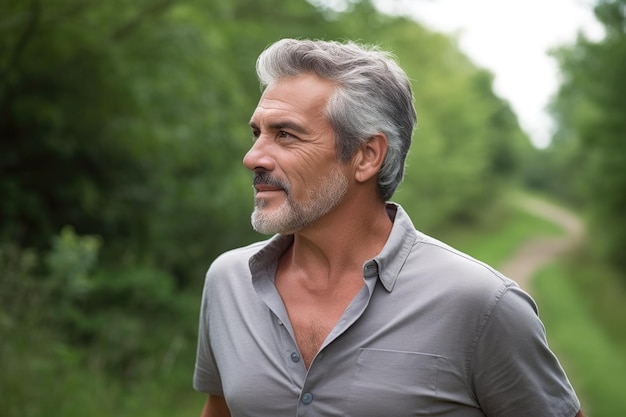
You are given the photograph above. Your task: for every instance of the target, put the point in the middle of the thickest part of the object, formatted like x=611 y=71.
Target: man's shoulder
x=456 y=269
x=447 y=254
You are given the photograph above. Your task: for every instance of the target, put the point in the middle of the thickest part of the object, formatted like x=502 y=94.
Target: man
x=349 y=310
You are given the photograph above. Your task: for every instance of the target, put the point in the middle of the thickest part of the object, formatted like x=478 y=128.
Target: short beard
x=292 y=215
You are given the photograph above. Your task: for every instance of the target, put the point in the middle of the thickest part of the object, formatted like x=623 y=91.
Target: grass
x=499 y=234
x=594 y=361
x=33 y=386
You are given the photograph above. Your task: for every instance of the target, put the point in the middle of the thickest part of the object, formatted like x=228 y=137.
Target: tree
x=65 y=155
x=590 y=109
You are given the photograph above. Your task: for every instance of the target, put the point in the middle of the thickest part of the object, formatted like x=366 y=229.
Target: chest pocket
x=393 y=383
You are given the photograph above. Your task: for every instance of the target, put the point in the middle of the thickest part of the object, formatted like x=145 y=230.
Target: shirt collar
x=389 y=262
x=266 y=259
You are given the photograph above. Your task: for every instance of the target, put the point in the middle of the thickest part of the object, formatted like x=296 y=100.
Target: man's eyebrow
x=282 y=124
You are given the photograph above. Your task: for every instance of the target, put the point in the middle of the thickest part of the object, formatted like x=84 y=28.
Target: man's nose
x=259 y=157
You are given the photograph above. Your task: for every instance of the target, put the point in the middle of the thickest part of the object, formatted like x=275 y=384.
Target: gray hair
x=373 y=95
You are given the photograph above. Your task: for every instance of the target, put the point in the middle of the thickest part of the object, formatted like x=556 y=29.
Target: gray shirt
x=431 y=332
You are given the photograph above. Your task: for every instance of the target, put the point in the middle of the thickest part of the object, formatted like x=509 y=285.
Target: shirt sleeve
x=206 y=377
x=514 y=371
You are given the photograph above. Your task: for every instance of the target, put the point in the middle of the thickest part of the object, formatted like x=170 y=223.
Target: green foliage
x=71 y=260
x=590 y=109
x=76 y=342
x=134 y=125
x=604 y=294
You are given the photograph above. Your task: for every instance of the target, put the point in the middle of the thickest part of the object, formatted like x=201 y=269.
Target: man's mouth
x=263 y=182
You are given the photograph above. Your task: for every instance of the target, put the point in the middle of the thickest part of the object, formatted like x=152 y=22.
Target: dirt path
x=539 y=251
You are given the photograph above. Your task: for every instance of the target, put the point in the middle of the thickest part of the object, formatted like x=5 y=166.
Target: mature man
x=349 y=310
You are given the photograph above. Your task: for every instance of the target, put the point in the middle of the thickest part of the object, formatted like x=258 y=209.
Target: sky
x=510 y=38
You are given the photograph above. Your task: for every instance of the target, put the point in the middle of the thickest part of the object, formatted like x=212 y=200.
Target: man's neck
x=338 y=244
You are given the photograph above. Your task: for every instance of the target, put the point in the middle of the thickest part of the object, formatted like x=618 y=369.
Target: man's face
x=298 y=178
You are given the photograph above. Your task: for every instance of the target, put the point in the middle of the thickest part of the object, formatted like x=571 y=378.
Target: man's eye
x=256 y=134
x=286 y=135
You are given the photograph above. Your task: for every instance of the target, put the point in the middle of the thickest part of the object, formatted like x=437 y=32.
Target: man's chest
x=358 y=365
x=314 y=312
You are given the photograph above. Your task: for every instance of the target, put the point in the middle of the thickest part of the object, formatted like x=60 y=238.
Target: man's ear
x=370 y=157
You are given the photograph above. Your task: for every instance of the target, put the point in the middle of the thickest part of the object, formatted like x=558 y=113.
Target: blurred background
x=122 y=128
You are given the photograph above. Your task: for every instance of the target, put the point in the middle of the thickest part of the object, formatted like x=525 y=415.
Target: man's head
x=298 y=177
x=372 y=95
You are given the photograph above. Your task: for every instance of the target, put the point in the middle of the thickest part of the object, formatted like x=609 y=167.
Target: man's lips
x=260 y=188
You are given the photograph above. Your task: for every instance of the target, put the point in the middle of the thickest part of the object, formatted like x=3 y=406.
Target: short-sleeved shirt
x=431 y=332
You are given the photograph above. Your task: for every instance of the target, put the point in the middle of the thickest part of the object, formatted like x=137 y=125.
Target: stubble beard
x=293 y=215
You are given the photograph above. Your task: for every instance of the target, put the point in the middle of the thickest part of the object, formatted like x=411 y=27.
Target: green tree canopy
x=129 y=120
x=590 y=109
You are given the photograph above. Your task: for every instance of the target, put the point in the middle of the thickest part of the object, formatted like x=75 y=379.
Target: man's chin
x=265 y=224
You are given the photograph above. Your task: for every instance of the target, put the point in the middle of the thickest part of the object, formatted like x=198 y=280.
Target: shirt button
x=279 y=321
x=307 y=398
x=295 y=357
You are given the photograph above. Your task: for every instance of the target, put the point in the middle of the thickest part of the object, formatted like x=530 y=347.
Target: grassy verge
x=588 y=345
x=499 y=234
x=33 y=385
x=594 y=362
